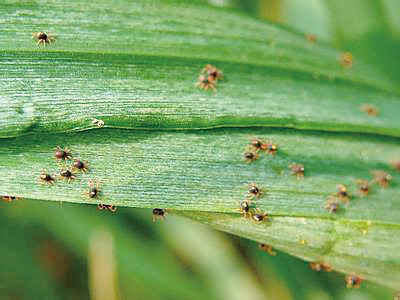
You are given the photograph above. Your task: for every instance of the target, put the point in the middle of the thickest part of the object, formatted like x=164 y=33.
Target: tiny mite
x=94 y=189
x=343 y=193
x=346 y=59
x=80 y=165
x=111 y=208
x=363 y=187
x=353 y=281
x=310 y=37
x=267 y=248
x=206 y=82
x=258 y=145
x=320 y=266
x=10 y=198
x=370 y=110
x=250 y=156
x=382 y=178
x=98 y=123
x=297 y=169
x=62 y=154
x=67 y=175
x=271 y=148
x=43 y=38
x=46 y=178
x=213 y=72
x=254 y=190
x=244 y=207
x=332 y=205
x=259 y=216
x=159 y=213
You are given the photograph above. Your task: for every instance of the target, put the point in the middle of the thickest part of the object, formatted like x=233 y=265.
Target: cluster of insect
x=247 y=208
x=257 y=146
x=69 y=170
x=209 y=77
x=342 y=196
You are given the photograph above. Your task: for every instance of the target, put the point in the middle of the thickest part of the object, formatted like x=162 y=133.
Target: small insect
x=46 y=177
x=363 y=187
x=43 y=38
x=343 y=193
x=80 y=165
x=297 y=169
x=320 y=266
x=353 y=281
x=258 y=145
x=310 y=37
x=250 y=156
x=111 y=208
x=382 y=178
x=346 y=59
x=396 y=165
x=244 y=207
x=259 y=216
x=254 y=190
x=159 y=213
x=267 y=248
x=213 y=72
x=67 y=175
x=370 y=110
x=63 y=154
x=332 y=204
x=271 y=148
x=206 y=82
x=94 y=189
x=98 y=123
x=11 y=198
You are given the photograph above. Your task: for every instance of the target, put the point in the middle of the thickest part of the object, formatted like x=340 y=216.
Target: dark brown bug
x=67 y=175
x=158 y=213
x=206 y=82
x=332 y=204
x=43 y=38
x=46 y=178
x=250 y=156
x=346 y=59
x=363 y=187
x=244 y=208
x=254 y=190
x=297 y=169
x=370 y=110
x=80 y=165
x=62 y=154
x=258 y=145
x=94 y=189
x=267 y=248
x=11 y=198
x=111 y=208
x=343 y=193
x=213 y=72
x=310 y=37
x=259 y=216
x=271 y=148
x=320 y=266
x=353 y=281
x=382 y=178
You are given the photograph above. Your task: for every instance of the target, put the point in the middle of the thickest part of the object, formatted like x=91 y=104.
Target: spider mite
x=382 y=178
x=158 y=213
x=297 y=169
x=80 y=165
x=310 y=37
x=94 y=189
x=346 y=59
x=332 y=204
x=46 y=178
x=353 y=281
x=343 y=193
x=396 y=165
x=271 y=148
x=98 y=123
x=267 y=248
x=320 y=266
x=67 y=175
x=206 y=82
x=213 y=72
x=244 y=207
x=258 y=145
x=62 y=154
x=43 y=38
x=111 y=208
x=11 y=198
x=250 y=156
x=370 y=110
x=259 y=216
x=363 y=187
x=254 y=190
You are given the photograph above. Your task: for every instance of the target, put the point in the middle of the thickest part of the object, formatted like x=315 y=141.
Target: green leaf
x=134 y=66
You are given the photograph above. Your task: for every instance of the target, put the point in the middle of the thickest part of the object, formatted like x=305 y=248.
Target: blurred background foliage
x=70 y=251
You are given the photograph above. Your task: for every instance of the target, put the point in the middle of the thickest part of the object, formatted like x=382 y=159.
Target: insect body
x=254 y=190
x=213 y=72
x=111 y=208
x=158 y=213
x=244 y=207
x=363 y=187
x=332 y=204
x=67 y=175
x=343 y=193
x=259 y=216
x=297 y=169
x=353 y=281
x=250 y=156
x=80 y=165
x=94 y=189
x=43 y=38
x=267 y=248
x=370 y=110
x=62 y=154
x=346 y=59
x=10 y=198
x=258 y=145
x=320 y=266
x=382 y=178
x=271 y=148
x=46 y=178
x=206 y=82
